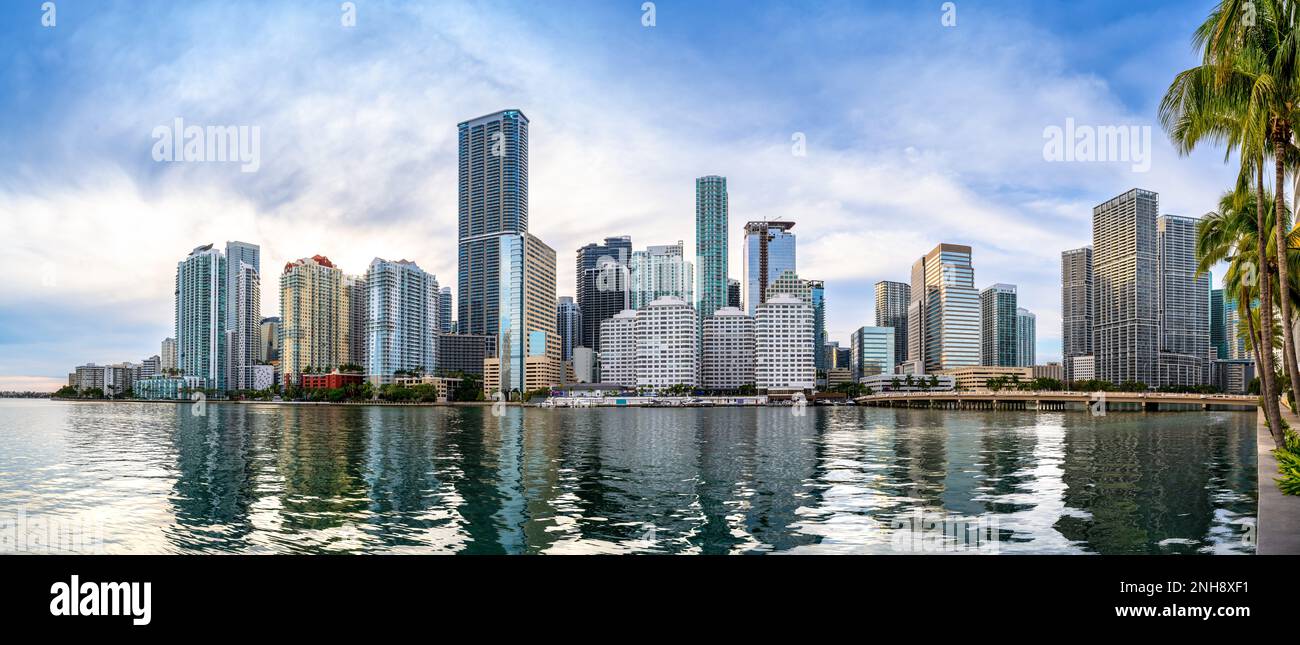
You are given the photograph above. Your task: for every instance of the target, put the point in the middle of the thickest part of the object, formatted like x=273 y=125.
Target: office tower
x=892 y=299
x=244 y=341
x=314 y=317
x=168 y=354
x=727 y=356
x=1076 y=307
x=602 y=285
x=568 y=326
x=769 y=252
x=1026 y=337
x=618 y=349
x=661 y=272
x=1233 y=332
x=667 y=344
x=201 y=316
x=269 y=330
x=711 y=224
x=871 y=351
x=402 y=320
x=817 y=291
x=1218 y=328
x=783 y=351
x=493 y=201
x=1126 y=330
x=528 y=351
x=998 y=346
x=733 y=293
x=464 y=353
x=243 y=312
x=943 y=318
x=1183 y=305
x=445 y=305
x=358 y=321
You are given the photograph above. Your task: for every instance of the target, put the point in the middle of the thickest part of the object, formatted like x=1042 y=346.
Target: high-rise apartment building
x=618 y=349
x=817 y=291
x=528 y=351
x=1026 y=337
x=1218 y=326
x=603 y=286
x=402 y=320
x=943 y=318
x=783 y=351
x=314 y=320
x=445 y=316
x=359 y=321
x=1183 y=304
x=493 y=201
x=711 y=224
x=568 y=326
x=167 y=354
x=1126 y=329
x=727 y=354
x=244 y=340
x=769 y=252
x=871 y=351
x=661 y=272
x=667 y=344
x=998 y=346
x=1076 y=307
x=892 y=299
x=200 y=319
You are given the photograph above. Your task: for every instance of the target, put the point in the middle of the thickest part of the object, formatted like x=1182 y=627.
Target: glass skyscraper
x=998 y=346
x=872 y=351
x=769 y=252
x=1126 y=330
x=527 y=347
x=402 y=326
x=891 y=311
x=944 y=316
x=493 y=201
x=568 y=326
x=1218 y=328
x=1026 y=337
x=1076 y=307
x=603 y=285
x=1183 y=304
x=659 y=272
x=710 y=245
x=200 y=319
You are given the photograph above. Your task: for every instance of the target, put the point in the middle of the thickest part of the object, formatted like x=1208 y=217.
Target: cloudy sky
x=916 y=133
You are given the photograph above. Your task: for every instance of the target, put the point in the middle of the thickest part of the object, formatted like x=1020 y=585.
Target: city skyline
x=844 y=193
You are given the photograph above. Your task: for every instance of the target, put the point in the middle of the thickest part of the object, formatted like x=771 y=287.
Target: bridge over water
x=1022 y=400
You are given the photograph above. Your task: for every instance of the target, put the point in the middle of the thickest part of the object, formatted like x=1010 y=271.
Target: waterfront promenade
x=1022 y=400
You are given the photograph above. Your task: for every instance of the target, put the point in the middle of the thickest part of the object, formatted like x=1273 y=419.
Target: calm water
x=267 y=479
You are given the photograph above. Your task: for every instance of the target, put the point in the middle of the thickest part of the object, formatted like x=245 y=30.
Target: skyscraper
x=1218 y=327
x=568 y=326
x=943 y=318
x=244 y=340
x=1026 y=337
x=1183 y=304
x=270 y=329
x=998 y=346
x=314 y=321
x=817 y=290
x=783 y=351
x=402 y=320
x=359 y=321
x=527 y=349
x=769 y=252
x=201 y=316
x=493 y=201
x=727 y=352
x=891 y=311
x=602 y=285
x=444 y=311
x=1126 y=331
x=660 y=272
x=711 y=223
x=667 y=344
x=1076 y=307
x=167 y=358
x=733 y=293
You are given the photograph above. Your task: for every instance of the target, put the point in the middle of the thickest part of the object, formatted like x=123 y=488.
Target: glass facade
x=200 y=320
x=871 y=351
x=891 y=311
x=944 y=315
x=1125 y=332
x=1026 y=337
x=1076 y=307
x=769 y=252
x=998 y=335
x=711 y=217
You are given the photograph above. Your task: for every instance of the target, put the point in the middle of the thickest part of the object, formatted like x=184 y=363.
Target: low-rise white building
x=667 y=344
x=728 y=352
x=618 y=349
x=783 y=345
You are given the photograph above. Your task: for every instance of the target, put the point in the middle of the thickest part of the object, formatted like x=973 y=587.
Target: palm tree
x=1226 y=100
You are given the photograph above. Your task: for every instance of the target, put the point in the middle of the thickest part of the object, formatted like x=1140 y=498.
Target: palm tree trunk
x=1267 y=386
x=1280 y=137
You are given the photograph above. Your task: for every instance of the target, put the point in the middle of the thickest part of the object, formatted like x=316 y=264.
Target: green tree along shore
x=1245 y=94
x=470 y=388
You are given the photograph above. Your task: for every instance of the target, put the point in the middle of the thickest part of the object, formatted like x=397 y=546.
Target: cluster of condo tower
x=1133 y=306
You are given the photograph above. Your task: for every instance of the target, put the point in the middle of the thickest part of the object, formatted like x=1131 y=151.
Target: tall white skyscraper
x=1026 y=337
x=201 y=316
x=244 y=339
x=661 y=271
x=943 y=318
x=783 y=349
x=403 y=320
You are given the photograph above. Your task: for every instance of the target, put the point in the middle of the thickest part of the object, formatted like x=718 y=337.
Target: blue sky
x=916 y=133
